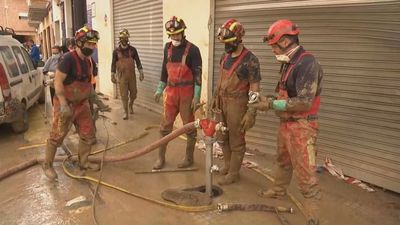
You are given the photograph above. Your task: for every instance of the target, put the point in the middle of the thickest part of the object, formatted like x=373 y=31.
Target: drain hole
x=215 y=190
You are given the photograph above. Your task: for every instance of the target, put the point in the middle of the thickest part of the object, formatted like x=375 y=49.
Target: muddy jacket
x=125 y=52
x=301 y=85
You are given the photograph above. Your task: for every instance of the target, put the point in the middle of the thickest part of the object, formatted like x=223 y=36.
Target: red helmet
x=230 y=31
x=86 y=34
x=175 y=25
x=280 y=28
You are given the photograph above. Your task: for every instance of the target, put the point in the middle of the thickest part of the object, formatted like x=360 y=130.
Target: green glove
x=197 y=91
x=196 y=98
x=160 y=88
x=279 y=105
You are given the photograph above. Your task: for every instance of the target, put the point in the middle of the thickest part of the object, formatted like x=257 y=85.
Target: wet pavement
x=28 y=197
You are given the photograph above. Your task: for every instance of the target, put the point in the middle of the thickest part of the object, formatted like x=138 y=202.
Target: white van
x=21 y=84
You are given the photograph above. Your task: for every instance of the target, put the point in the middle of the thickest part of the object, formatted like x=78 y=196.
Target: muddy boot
x=188 y=160
x=283 y=177
x=83 y=154
x=233 y=174
x=48 y=161
x=161 y=158
x=125 y=105
x=311 y=208
x=227 y=158
x=131 y=107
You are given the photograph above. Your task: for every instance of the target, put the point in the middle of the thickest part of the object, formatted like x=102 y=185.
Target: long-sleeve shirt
x=304 y=83
x=125 y=52
x=51 y=64
x=193 y=60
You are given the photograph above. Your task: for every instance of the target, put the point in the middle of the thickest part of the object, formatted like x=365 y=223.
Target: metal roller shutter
x=357 y=45
x=143 y=19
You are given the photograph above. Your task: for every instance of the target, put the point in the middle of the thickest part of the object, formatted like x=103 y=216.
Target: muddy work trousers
x=233 y=141
x=177 y=100
x=82 y=119
x=128 y=89
x=296 y=153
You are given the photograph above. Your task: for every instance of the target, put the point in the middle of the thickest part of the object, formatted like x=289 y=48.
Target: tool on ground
x=167 y=170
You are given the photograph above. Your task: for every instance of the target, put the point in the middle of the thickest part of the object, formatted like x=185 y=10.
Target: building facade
x=356 y=42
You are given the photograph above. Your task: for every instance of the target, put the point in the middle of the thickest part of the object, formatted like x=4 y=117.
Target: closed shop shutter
x=143 y=19
x=357 y=45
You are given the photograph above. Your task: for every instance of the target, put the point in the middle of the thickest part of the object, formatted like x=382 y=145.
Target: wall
x=9 y=12
x=101 y=21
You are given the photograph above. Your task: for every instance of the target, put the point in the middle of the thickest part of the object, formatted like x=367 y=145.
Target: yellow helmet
x=175 y=26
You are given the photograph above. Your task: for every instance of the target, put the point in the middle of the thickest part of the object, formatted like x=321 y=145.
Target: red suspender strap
x=78 y=65
x=289 y=71
x=238 y=61
x=188 y=45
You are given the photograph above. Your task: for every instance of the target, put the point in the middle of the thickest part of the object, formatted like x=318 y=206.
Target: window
x=20 y=59
x=28 y=59
x=11 y=64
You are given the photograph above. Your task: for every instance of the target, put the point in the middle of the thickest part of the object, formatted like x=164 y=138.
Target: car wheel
x=21 y=124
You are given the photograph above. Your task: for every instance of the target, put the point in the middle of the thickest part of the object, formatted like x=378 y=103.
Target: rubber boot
x=83 y=155
x=125 y=105
x=131 y=107
x=311 y=208
x=233 y=174
x=161 y=158
x=283 y=177
x=227 y=158
x=188 y=160
x=48 y=161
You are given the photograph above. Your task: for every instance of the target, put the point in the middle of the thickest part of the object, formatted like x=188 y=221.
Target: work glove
x=196 y=98
x=248 y=120
x=141 y=76
x=264 y=104
x=49 y=82
x=159 y=91
x=113 y=79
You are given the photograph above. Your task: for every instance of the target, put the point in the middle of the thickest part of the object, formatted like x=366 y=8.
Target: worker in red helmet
x=239 y=82
x=296 y=103
x=123 y=71
x=71 y=104
x=181 y=84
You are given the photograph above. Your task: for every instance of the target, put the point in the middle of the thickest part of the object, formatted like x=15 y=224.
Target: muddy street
x=28 y=197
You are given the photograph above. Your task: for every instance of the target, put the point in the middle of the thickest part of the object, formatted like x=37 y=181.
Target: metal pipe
x=252 y=207
x=209 y=141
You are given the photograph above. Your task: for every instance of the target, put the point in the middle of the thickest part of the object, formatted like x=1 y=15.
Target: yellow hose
x=173 y=206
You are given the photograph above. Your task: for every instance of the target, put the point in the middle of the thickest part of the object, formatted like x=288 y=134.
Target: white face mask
x=56 y=55
x=175 y=42
x=284 y=58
